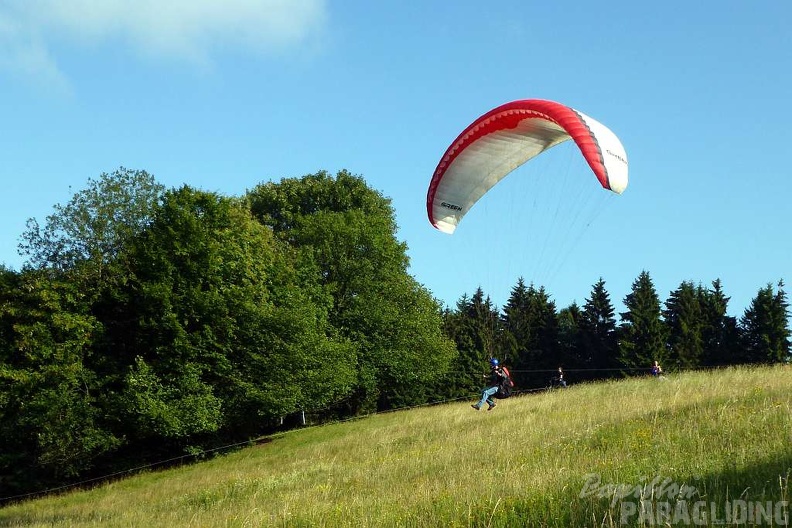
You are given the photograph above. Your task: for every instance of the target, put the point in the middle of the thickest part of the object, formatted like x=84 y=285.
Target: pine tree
x=599 y=343
x=765 y=326
x=569 y=337
x=473 y=327
x=684 y=322
x=641 y=333
x=485 y=314
x=516 y=334
x=465 y=372
x=782 y=351
x=719 y=333
x=540 y=353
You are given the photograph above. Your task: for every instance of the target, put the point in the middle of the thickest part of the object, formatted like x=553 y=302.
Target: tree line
x=149 y=322
x=691 y=329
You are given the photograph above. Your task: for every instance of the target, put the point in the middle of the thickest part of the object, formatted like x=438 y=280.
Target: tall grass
x=552 y=459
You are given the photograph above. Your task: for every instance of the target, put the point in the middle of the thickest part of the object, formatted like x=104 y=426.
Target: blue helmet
x=494 y=362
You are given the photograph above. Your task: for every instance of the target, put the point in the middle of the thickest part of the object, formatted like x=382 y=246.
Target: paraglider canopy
x=508 y=136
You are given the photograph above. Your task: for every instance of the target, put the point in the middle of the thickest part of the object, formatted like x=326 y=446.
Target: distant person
x=559 y=379
x=657 y=370
x=496 y=377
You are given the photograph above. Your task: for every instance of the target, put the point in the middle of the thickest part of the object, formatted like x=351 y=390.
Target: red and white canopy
x=508 y=136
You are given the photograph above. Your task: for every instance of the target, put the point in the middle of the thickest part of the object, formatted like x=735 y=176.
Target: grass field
x=627 y=453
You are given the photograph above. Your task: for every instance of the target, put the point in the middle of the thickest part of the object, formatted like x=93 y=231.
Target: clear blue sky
x=222 y=95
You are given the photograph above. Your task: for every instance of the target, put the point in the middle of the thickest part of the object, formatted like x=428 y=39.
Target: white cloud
x=188 y=30
x=25 y=55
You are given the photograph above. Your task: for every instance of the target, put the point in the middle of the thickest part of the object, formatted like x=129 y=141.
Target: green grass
x=727 y=435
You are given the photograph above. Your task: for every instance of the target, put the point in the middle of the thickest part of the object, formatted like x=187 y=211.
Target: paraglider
x=505 y=138
x=499 y=385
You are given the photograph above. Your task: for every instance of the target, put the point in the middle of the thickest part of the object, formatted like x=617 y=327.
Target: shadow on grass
x=594 y=502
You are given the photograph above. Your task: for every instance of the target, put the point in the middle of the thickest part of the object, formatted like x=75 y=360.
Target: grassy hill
x=583 y=456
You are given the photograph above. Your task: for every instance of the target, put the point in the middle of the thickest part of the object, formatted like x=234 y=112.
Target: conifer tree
x=783 y=347
x=472 y=326
x=765 y=326
x=485 y=315
x=465 y=372
x=683 y=322
x=719 y=334
x=569 y=338
x=599 y=342
x=538 y=344
x=516 y=327
x=641 y=333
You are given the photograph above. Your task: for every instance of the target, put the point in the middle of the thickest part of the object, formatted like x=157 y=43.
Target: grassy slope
x=728 y=434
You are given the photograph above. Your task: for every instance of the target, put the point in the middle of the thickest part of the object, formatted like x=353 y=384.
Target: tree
x=88 y=233
x=49 y=421
x=229 y=332
x=530 y=319
x=719 y=332
x=470 y=326
x=569 y=336
x=684 y=322
x=599 y=343
x=484 y=313
x=641 y=333
x=516 y=328
x=349 y=232
x=54 y=410
x=765 y=326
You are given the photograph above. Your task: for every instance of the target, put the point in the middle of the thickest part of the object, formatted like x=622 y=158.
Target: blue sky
x=222 y=95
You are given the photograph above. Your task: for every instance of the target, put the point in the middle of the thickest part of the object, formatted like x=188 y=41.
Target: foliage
x=598 y=336
x=89 y=232
x=684 y=322
x=472 y=327
x=50 y=425
x=348 y=230
x=570 y=343
x=227 y=334
x=516 y=338
x=719 y=332
x=533 y=309
x=765 y=326
x=641 y=334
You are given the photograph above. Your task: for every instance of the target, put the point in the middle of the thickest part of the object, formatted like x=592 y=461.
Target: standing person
x=496 y=377
x=657 y=370
x=560 y=378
